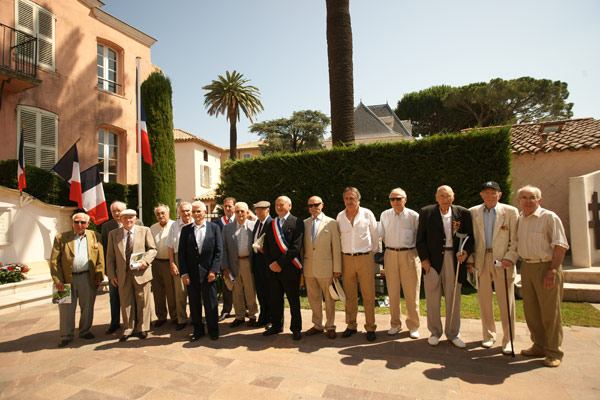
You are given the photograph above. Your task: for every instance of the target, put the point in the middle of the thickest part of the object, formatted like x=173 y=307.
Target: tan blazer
x=115 y=255
x=323 y=258
x=63 y=254
x=504 y=239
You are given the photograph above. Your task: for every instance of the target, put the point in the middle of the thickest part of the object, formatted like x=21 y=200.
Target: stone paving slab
x=243 y=364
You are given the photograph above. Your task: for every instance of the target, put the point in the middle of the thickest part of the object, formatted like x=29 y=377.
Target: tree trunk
x=233 y=138
x=341 y=83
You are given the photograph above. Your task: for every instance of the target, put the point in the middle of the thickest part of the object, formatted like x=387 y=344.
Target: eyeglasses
x=396 y=198
x=528 y=198
x=314 y=205
x=80 y=222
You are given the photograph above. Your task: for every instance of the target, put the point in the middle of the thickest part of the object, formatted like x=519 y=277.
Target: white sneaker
x=433 y=340
x=507 y=349
x=394 y=330
x=414 y=334
x=458 y=343
x=488 y=343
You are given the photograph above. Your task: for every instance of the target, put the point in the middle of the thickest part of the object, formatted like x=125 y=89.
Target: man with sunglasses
x=77 y=258
x=402 y=266
x=322 y=261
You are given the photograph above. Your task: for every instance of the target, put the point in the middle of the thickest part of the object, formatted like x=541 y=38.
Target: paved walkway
x=243 y=364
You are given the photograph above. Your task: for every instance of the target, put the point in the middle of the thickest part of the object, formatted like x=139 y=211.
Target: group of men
x=263 y=258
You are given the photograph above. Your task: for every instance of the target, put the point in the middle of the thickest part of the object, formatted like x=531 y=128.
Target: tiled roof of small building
x=180 y=135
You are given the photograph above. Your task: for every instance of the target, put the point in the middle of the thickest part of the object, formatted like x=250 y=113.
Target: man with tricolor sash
x=281 y=248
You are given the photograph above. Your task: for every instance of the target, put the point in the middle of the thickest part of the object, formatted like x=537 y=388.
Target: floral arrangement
x=11 y=273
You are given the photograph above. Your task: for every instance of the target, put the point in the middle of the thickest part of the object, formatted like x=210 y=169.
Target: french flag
x=21 y=165
x=94 y=202
x=68 y=168
x=146 y=154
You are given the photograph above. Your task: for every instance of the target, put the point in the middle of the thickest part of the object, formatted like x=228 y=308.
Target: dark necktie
x=128 y=248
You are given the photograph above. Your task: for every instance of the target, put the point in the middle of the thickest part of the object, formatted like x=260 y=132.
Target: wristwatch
x=554 y=271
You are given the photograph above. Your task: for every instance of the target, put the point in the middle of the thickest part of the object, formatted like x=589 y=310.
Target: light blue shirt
x=489 y=218
x=80 y=262
x=200 y=234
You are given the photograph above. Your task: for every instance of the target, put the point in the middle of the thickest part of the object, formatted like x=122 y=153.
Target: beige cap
x=127 y=212
x=262 y=204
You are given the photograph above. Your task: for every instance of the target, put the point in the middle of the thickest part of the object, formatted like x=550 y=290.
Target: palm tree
x=341 y=81
x=227 y=96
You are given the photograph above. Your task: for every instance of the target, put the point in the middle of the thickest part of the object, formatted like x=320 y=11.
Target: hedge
x=464 y=161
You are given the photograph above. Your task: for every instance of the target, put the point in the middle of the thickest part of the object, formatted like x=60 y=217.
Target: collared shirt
x=489 y=218
x=242 y=236
x=447 y=221
x=316 y=221
x=81 y=260
x=538 y=233
x=200 y=234
x=360 y=237
x=174 y=233
x=282 y=220
x=399 y=230
x=125 y=236
x=160 y=234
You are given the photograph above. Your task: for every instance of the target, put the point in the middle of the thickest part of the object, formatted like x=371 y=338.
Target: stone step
x=31 y=283
x=579 y=292
x=582 y=275
x=29 y=298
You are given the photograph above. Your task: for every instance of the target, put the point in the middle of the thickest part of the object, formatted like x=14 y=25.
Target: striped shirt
x=538 y=234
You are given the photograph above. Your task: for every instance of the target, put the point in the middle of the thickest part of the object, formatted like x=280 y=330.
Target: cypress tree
x=158 y=180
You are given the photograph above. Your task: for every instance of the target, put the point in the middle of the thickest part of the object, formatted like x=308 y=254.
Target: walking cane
x=512 y=346
x=463 y=238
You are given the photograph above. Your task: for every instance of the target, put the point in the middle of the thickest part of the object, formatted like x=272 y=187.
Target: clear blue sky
x=399 y=47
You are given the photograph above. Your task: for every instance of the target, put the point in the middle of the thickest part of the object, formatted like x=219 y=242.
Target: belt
x=535 y=261
x=489 y=250
x=161 y=259
x=399 y=248
x=355 y=254
x=80 y=272
x=448 y=248
x=242 y=257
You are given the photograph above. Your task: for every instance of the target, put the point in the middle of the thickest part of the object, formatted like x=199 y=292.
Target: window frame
x=105 y=173
x=39 y=145
x=106 y=82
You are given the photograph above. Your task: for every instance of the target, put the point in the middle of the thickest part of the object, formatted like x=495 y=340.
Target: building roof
x=547 y=136
x=249 y=145
x=208 y=195
x=182 y=136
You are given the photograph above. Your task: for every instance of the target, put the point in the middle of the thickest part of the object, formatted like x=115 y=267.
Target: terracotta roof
x=568 y=134
x=180 y=136
x=249 y=145
x=208 y=195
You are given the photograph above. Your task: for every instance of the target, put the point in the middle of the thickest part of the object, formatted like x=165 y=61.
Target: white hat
x=336 y=291
x=127 y=212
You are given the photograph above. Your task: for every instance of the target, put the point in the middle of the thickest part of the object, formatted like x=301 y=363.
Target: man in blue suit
x=200 y=251
x=259 y=266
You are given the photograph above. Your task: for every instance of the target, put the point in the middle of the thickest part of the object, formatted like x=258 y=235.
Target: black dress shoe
x=268 y=326
x=88 y=335
x=251 y=322
x=64 y=342
x=348 y=332
x=371 y=336
x=260 y=323
x=196 y=336
x=159 y=323
x=142 y=335
x=223 y=316
x=272 y=331
x=214 y=336
x=236 y=323
x=179 y=327
x=124 y=338
x=297 y=335
x=112 y=329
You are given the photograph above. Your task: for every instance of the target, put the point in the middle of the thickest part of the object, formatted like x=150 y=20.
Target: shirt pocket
x=408 y=235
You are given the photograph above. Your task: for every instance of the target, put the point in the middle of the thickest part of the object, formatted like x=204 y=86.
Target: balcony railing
x=18 y=51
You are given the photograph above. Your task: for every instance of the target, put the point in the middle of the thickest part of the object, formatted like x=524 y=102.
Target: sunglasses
x=80 y=222
x=396 y=198
x=314 y=205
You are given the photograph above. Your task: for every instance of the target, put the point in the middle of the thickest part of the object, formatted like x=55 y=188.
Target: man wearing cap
x=322 y=262
x=495 y=233
x=542 y=245
x=236 y=263
x=359 y=241
x=282 y=245
x=398 y=229
x=77 y=258
x=438 y=241
x=163 y=288
x=132 y=279
x=228 y=207
x=259 y=265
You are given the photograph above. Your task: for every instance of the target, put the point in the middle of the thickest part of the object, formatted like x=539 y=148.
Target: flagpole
x=139 y=134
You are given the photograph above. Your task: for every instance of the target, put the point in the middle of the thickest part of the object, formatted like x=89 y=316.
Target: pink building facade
x=83 y=88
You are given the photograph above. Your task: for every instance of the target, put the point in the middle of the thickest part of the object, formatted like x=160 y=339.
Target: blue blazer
x=196 y=263
x=258 y=260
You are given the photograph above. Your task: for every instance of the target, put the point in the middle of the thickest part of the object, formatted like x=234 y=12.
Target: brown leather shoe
x=331 y=334
x=533 y=351
x=312 y=331
x=552 y=362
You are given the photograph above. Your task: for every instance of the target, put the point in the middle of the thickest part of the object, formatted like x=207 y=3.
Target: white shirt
x=242 y=236
x=81 y=260
x=282 y=220
x=360 y=237
x=200 y=234
x=447 y=221
x=161 y=234
x=174 y=233
x=125 y=236
x=399 y=230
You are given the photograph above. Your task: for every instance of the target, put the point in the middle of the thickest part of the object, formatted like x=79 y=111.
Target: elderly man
x=228 y=207
x=132 y=277
x=438 y=239
x=542 y=245
x=259 y=265
x=237 y=248
x=162 y=280
x=77 y=258
x=359 y=241
x=185 y=217
x=398 y=229
x=200 y=251
x=322 y=261
x=282 y=245
x=495 y=233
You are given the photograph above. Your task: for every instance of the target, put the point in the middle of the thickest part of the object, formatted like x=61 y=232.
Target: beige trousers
x=403 y=269
x=180 y=296
x=359 y=269
x=132 y=293
x=244 y=293
x=317 y=289
x=485 y=294
x=163 y=290
x=433 y=291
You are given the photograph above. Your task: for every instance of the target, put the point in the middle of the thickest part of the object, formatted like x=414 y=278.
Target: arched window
x=206 y=155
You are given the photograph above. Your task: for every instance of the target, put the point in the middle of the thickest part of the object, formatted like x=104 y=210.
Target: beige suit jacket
x=323 y=258
x=504 y=239
x=143 y=242
x=63 y=254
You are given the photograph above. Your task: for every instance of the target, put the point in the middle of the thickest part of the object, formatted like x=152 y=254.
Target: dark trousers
x=227 y=300
x=261 y=283
x=206 y=293
x=291 y=288
x=115 y=305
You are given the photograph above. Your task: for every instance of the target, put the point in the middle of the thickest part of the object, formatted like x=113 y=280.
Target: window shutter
x=209 y=176
x=48 y=139
x=46 y=38
x=25 y=17
x=28 y=119
x=202 y=176
x=40 y=136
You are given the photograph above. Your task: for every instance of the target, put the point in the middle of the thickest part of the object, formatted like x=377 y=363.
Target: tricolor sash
x=224 y=220
x=281 y=242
